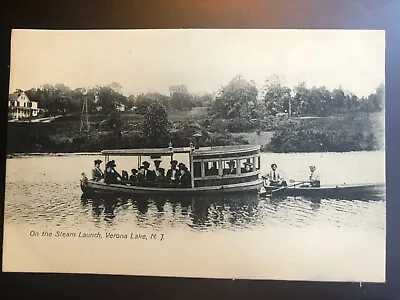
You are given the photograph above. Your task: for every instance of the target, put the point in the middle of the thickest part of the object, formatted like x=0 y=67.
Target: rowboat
x=207 y=166
x=348 y=191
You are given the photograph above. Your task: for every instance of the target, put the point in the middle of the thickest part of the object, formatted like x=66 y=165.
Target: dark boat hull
x=101 y=187
x=354 y=191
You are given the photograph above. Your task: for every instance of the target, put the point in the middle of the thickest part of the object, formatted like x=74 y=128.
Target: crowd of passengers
x=177 y=175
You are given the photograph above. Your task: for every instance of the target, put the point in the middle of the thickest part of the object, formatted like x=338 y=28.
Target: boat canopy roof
x=202 y=151
x=146 y=151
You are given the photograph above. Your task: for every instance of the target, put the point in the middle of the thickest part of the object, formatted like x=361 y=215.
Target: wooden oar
x=288 y=186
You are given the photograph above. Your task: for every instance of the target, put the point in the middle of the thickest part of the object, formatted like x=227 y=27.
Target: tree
x=276 y=96
x=203 y=100
x=130 y=101
x=338 y=99
x=107 y=98
x=320 y=101
x=376 y=100
x=180 y=98
x=238 y=99
x=155 y=130
x=143 y=101
x=300 y=103
x=351 y=101
x=113 y=122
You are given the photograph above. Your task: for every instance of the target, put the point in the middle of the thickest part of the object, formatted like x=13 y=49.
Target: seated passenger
x=97 y=173
x=232 y=169
x=185 y=178
x=149 y=175
x=160 y=176
x=133 y=177
x=173 y=174
x=141 y=180
x=248 y=167
x=124 y=176
x=213 y=170
x=274 y=178
x=157 y=163
x=111 y=175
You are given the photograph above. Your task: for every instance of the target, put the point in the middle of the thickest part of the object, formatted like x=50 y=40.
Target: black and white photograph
x=207 y=153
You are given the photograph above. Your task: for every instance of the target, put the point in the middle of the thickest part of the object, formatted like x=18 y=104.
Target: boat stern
x=84 y=183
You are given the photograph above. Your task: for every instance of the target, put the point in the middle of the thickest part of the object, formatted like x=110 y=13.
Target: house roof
x=13 y=97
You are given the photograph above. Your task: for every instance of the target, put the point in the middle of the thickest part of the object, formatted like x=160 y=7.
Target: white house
x=19 y=106
x=120 y=106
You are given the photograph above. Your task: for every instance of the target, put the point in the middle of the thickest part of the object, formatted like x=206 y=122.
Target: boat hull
x=101 y=187
x=340 y=191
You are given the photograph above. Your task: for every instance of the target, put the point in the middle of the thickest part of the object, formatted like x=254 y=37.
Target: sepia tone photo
x=256 y=154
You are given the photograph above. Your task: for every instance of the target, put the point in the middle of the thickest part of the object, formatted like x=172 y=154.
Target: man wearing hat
x=97 y=174
x=185 y=178
x=140 y=179
x=149 y=175
x=133 y=177
x=247 y=167
x=232 y=169
x=173 y=173
x=157 y=163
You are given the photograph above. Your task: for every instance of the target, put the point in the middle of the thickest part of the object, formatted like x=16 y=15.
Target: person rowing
x=274 y=178
x=313 y=179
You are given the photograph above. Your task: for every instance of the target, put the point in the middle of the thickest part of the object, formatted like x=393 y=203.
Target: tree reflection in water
x=232 y=211
x=220 y=210
x=109 y=207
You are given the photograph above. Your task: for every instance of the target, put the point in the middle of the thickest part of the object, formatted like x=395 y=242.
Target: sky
x=204 y=60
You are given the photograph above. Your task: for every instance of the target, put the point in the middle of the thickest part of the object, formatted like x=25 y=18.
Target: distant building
x=178 y=89
x=120 y=107
x=20 y=106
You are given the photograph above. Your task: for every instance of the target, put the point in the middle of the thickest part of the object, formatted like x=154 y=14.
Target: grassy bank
x=343 y=132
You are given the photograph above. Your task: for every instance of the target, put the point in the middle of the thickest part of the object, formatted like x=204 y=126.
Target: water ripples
x=58 y=204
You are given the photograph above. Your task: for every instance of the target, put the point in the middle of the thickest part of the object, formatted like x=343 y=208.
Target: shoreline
x=38 y=154
x=18 y=155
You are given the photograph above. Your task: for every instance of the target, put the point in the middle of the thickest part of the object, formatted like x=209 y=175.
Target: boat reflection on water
x=99 y=207
x=206 y=213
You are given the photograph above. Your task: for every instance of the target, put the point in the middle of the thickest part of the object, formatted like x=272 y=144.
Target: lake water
x=242 y=235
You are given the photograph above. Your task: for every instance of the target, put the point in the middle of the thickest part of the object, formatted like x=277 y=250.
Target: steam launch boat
x=216 y=169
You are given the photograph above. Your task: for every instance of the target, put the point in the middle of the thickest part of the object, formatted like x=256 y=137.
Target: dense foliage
x=325 y=135
x=155 y=128
x=153 y=119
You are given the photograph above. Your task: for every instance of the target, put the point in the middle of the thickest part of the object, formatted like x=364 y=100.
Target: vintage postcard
x=256 y=154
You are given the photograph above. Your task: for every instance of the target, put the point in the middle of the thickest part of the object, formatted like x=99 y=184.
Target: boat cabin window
x=229 y=167
x=197 y=169
x=247 y=165
x=211 y=168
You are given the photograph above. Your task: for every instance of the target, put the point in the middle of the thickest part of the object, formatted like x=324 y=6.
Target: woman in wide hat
x=111 y=175
x=97 y=173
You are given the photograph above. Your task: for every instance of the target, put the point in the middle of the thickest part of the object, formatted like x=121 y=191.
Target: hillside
x=351 y=132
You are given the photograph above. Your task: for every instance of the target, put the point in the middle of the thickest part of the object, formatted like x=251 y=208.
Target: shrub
x=317 y=140
x=241 y=125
